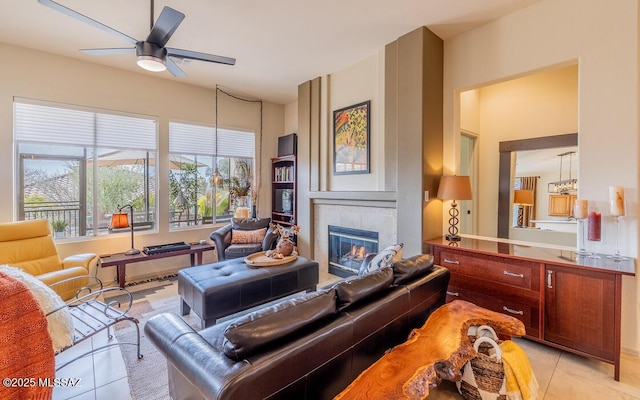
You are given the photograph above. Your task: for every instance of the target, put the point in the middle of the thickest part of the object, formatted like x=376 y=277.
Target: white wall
x=42 y=76
x=603 y=37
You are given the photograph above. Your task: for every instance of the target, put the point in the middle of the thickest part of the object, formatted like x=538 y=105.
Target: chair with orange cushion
x=29 y=246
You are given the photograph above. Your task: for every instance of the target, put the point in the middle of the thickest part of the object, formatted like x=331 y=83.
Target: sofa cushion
x=357 y=288
x=249 y=333
x=242 y=250
x=240 y=236
x=250 y=223
x=411 y=268
x=383 y=259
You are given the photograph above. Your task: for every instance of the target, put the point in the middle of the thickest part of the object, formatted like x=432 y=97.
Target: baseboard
x=631 y=352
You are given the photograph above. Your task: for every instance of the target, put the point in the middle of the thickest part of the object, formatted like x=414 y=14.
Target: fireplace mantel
x=359 y=196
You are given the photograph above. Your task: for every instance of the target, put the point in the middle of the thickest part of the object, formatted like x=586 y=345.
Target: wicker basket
x=483 y=376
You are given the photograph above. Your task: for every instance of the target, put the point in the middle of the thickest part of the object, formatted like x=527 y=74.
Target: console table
x=120 y=260
x=566 y=301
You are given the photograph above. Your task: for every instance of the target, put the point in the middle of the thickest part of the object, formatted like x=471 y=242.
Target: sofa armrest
x=86 y=260
x=222 y=238
x=195 y=358
x=270 y=240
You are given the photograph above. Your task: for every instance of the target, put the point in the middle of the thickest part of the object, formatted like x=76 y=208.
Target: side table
x=120 y=260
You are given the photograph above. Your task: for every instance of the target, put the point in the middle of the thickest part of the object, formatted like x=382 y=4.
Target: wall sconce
x=119 y=220
x=454 y=188
x=522 y=198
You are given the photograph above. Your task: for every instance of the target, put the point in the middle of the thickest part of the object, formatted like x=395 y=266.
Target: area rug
x=148 y=379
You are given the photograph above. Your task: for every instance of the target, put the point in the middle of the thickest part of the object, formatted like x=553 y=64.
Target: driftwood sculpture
x=436 y=351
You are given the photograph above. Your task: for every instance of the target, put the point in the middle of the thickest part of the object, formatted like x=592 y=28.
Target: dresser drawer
x=519 y=273
x=527 y=313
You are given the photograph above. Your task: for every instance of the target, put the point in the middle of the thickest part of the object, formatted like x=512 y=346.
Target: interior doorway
x=468 y=166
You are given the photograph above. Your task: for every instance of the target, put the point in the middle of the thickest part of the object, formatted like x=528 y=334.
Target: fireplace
x=347 y=248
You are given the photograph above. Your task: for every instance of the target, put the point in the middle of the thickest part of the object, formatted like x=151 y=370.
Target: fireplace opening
x=347 y=249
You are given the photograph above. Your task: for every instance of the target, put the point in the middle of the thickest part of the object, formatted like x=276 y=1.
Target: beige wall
x=357 y=83
x=42 y=76
x=291 y=117
x=554 y=32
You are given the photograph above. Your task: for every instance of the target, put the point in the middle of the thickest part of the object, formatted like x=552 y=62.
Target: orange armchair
x=29 y=246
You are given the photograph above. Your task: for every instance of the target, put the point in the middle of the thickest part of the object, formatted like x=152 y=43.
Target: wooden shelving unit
x=283 y=190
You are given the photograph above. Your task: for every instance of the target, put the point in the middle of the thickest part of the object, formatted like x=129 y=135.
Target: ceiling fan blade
x=195 y=55
x=174 y=69
x=109 y=51
x=74 y=14
x=165 y=26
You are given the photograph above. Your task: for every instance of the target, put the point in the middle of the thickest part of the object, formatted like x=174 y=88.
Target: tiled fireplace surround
x=374 y=217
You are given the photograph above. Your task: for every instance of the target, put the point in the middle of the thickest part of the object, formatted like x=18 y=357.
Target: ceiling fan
x=151 y=53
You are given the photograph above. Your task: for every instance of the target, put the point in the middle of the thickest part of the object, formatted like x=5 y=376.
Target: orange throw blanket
x=26 y=350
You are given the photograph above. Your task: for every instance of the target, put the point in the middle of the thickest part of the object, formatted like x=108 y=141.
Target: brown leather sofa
x=309 y=347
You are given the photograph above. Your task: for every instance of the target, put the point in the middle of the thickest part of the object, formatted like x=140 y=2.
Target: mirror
x=548 y=233
x=533 y=108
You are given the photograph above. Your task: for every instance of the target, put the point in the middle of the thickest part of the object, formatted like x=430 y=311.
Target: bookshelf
x=283 y=190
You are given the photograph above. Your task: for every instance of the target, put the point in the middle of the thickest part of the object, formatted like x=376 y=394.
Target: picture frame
x=351 y=142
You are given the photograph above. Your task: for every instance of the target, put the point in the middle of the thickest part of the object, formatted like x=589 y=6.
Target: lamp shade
x=455 y=188
x=119 y=220
x=523 y=197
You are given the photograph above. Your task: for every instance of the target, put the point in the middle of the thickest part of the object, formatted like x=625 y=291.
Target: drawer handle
x=512 y=274
x=509 y=310
x=456 y=294
x=446 y=260
x=549 y=285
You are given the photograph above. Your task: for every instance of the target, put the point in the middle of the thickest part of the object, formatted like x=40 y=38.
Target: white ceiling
x=278 y=44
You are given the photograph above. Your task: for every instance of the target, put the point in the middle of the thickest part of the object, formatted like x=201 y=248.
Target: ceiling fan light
x=151 y=63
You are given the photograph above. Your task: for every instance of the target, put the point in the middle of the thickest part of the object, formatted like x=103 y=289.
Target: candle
x=616 y=200
x=581 y=209
x=595 y=222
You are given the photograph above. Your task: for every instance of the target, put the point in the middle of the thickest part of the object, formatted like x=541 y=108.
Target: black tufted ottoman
x=226 y=287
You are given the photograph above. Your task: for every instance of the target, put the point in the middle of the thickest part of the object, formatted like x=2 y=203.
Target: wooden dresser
x=565 y=301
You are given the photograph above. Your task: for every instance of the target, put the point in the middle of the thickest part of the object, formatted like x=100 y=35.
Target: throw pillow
x=385 y=258
x=60 y=323
x=247 y=237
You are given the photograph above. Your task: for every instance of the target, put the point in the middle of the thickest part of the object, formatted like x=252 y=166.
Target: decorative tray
x=261 y=259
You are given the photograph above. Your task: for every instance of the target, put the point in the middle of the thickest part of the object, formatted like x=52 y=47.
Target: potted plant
x=59 y=226
x=240 y=184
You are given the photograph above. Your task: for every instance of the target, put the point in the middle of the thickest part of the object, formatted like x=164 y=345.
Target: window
x=77 y=165
x=197 y=195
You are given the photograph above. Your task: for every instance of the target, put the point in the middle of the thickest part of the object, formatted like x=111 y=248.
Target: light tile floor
x=561 y=375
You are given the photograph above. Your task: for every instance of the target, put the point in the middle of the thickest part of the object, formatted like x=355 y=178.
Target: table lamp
x=522 y=198
x=119 y=220
x=454 y=188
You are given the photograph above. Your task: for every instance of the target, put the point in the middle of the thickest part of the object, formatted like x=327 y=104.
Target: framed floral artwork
x=351 y=139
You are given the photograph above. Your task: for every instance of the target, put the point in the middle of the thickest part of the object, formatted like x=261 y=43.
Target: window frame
x=89 y=162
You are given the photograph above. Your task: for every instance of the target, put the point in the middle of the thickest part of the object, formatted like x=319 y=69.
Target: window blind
x=59 y=125
x=199 y=139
